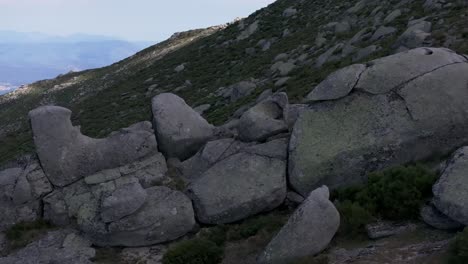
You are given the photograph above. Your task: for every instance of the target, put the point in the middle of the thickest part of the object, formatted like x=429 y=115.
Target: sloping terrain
x=302 y=40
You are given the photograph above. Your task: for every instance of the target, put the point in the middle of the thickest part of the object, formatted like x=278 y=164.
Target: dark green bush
x=393 y=194
x=250 y=227
x=459 y=249
x=194 y=251
x=353 y=217
x=397 y=193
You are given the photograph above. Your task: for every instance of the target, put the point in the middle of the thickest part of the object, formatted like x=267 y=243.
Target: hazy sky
x=127 y=19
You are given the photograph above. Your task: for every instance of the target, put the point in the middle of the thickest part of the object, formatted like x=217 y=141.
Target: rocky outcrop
x=338 y=84
x=67 y=156
x=21 y=190
x=266 y=119
x=121 y=213
x=433 y=217
x=451 y=190
x=401 y=109
x=308 y=231
x=180 y=130
x=63 y=246
x=241 y=185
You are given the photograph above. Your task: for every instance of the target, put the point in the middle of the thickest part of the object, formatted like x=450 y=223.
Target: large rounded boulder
x=405 y=107
x=180 y=130
x=241 y=185
x=451 y=190
x=308 y=231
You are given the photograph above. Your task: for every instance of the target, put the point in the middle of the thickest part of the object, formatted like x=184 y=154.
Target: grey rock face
x=210 y=154
x=20 y=192
x=451 y=190
x=120 y=213
x=63 y=246
x=122 y=202
x=67 y=156
x=433 y=217
x=265 y=119
x=283 y=68
x=167 y=215
x=338 y=142
x=308 y=231
x=383 y=32
x=392 y=16
x=241 y=185
x=338 y=84
x=365 y=52
x=179 y=129
x=416 y=35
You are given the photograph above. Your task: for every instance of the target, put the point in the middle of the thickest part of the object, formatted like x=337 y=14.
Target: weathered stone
x=124 y=201
x=392 y=16
x=451 y=190
x=20 y=192
x=239 y=186
x=165 y=216
x=308 y=231
x=146 y=255
x=265 y=119
x=383 y=32
x=284 y=68
x=382 y=229
x=210 y=154
x=365 y=52
x=179 y=129
x=294 y=111
x=67 y=156
x=325 y=57
x=338 y=142
x=290 y=11
x=202 y=108
x=387 y=73
x=249 y=31
x=338 y=84
x=416 y=35
x=433 y=217
x=52 y=249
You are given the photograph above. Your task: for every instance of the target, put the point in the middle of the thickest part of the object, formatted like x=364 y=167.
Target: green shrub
x=397 y=193
x=250 y=227
x=459 y=249
x=194 y=251
x=354 y=218
x=393 y=194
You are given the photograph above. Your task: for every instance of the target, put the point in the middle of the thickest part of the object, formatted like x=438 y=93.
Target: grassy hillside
x=109 y=98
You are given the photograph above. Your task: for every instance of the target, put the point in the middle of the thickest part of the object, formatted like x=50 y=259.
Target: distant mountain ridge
x=28 y=57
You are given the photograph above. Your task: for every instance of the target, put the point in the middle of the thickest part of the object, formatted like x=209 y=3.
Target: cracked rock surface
x=242 y=184
x=402 y=109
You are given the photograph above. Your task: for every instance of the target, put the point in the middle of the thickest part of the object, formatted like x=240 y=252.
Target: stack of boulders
x=117 y=190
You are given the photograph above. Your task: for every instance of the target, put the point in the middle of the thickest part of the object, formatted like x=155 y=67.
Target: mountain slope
x=300 y=40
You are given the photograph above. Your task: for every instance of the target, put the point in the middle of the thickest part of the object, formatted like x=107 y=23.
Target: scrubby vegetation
x=208 y=246
x=459 y=249
x=24 y=233
x=393 y=194
x=195 y=251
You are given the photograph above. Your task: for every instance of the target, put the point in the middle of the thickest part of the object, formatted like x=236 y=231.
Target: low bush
x=268 y=223
x=393 y=194
x=194 y=251
x=459 y=249
x=354 y=218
